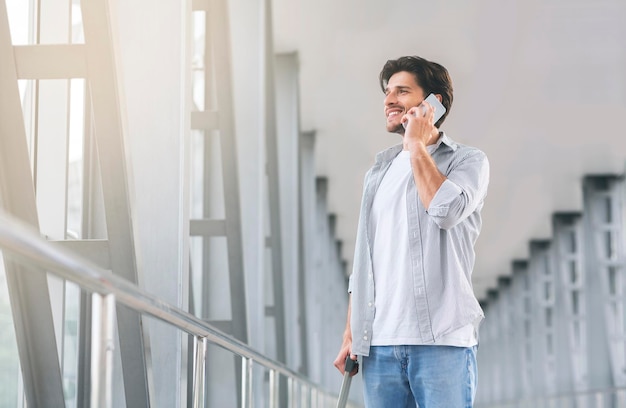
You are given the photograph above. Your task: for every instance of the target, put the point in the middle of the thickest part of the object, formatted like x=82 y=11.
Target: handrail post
x=305 y=398
x=274 y=378
x=199 y=349
x=246 y=382
x=102 y=346
x=290 y=396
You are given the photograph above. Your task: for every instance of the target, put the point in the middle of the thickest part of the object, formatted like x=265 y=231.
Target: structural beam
x=58 y=61
x=109 y=137
x=28 y=292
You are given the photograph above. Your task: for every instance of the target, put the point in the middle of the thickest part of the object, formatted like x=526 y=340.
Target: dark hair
x=430 y=76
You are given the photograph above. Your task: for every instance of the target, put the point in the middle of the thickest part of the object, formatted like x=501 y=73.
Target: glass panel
x=75 y=184
x=71 y=344
x=54 y=22
x=617 y=314
x=197 y=64
x=608 y=241
x=207 y=187
x=209 y=278
x=28 y=89
x=197 y=174
x=576 y=330
x=548 y=290
x=52 y=137
x=575 y=302
x=549 y=344
x=549 y=317
x=571 y=242
x=546 y=264
x=77 y=34
x=19 y=13
x=613 y=318
x=198 y=90
x=573 y=271
x=195 y=275
x=608 y=210
x=612 y=272
x=526 y=282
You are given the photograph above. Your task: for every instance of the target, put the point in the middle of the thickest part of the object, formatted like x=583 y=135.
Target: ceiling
x=539 y=87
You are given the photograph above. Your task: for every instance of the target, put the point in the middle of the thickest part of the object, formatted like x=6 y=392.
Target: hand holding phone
x=434 y=102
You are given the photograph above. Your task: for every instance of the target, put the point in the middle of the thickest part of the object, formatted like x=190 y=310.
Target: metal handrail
x=26 y=243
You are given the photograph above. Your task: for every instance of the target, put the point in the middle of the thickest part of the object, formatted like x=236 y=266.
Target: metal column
x=522 y=297
x=109 y=133
x=604 y=206
x=271 y=140
x=568 y=252
x=217 y=119
x=218 y=87
x=542 y=275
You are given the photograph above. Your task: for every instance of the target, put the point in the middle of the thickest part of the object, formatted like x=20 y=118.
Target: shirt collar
x=443 y=138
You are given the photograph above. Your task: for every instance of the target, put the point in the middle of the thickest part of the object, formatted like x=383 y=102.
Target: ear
x=438 y=97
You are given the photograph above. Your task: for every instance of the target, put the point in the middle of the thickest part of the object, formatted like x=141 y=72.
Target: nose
x=390 y=99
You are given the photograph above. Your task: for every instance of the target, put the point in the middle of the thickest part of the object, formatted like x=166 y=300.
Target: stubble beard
x=399 y=129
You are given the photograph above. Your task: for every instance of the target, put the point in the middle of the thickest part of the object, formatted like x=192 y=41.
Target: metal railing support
x=304 y=396
x=290 y=393
x=199 y=349
x=102 y=346
x=274 y=380
x=246 y=382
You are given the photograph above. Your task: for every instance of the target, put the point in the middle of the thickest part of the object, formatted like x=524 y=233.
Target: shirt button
x=364 y=337
x=370 y=304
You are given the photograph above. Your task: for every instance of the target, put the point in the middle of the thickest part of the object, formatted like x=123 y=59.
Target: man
x=412 y=315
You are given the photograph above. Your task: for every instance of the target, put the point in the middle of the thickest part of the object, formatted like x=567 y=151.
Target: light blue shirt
x=441 y=245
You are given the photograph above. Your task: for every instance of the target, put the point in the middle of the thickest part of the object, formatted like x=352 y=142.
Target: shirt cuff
x=440 y=204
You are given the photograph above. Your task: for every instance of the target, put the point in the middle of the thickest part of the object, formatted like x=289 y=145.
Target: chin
x=395 y=128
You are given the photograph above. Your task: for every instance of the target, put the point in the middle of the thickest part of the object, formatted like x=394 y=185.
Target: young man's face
x=402 y=93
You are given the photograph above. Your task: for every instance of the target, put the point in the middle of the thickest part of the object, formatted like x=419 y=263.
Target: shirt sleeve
x=462 y=192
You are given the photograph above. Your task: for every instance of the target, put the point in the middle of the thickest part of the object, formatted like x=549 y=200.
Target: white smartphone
x=439 y=108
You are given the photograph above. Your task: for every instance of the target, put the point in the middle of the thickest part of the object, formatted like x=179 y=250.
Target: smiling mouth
x=393 y=114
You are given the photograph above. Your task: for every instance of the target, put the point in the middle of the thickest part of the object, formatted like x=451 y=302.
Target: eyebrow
x=397 y=87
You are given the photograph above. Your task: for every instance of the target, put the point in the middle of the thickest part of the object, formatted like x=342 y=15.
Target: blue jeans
x=422 y=376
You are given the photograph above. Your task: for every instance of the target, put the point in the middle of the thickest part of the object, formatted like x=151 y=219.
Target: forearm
x=346 y=344
x=347 y=334
x=427 y=176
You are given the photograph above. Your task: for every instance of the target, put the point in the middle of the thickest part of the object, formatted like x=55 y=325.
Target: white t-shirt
x=395 y=320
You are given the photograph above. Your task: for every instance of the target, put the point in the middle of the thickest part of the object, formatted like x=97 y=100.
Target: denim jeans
x=422 y=376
